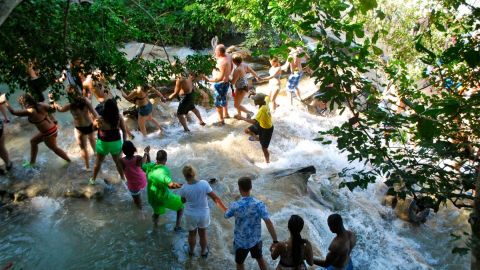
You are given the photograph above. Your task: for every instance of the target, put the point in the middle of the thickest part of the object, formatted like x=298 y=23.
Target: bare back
x=341 y=247
x=224 y=64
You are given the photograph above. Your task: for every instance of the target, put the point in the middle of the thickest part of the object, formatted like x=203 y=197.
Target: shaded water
x=57 y=233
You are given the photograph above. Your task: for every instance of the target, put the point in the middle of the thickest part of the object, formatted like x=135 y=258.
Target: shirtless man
x=95 y=84
x=221 y=82
x=81 y=110
x=296 y=72
x=338 y=257
x=184 y=89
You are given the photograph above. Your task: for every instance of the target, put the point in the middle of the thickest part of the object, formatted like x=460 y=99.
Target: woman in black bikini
x=82 y=112
x=37 y=114
x=139 y=97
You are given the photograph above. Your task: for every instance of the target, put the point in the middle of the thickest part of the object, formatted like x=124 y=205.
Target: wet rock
x=84 y=190
x=242 y=51
x=407 y=209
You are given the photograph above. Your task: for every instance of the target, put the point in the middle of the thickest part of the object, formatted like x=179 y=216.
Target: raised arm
x=15 y=112
x=123 y=128
x=217 y=201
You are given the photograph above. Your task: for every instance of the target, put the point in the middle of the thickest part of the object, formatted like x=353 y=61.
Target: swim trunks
x=85 y=130
x=186 y=104
x=220 y=95
x=293 y=81
x=264 y=134
x=145 y=110
x=348 y=267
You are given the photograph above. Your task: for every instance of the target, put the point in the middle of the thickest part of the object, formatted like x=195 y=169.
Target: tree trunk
x=6 y=7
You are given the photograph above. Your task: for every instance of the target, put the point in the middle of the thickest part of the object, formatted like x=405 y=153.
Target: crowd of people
x=190 y=200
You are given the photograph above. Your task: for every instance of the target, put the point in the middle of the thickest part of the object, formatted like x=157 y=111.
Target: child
x=132 y=168
x=197 y=213
x=274 y=80
x=262 y=127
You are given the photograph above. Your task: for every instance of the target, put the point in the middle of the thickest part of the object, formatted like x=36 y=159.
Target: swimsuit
x=242 y=83
x=186 y=104
x=220 y=95
x=293 y=81
x=50 y=132
x=349 y=266
x=145 y=110
x=85 y=130
x=109 y=142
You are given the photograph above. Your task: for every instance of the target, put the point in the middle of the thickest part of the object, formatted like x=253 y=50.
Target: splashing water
x=111 y=234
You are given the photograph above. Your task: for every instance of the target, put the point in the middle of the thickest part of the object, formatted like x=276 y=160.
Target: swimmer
x=240 y=81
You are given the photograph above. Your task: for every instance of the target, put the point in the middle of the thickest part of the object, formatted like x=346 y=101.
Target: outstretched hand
x=147 y=149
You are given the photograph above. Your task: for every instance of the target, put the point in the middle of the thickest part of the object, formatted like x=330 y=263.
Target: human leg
x=116 y=159
x=155 y=122
x=192 y=241
x=202 y=233
x=178 y=222
x=273 y=98
x=238 y=102
x=34 y=147
x=183 y=121
x=220 y=115
x=92 y=141
x=137 y=200
x=82 y=142
x=51 y=143
x=98 y=164
x=4 y=152
x=197 y=114
x=141 y=124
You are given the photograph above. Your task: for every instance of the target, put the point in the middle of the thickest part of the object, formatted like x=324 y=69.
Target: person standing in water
x=132 y=168
x=296 y=73
x=221 y=83
x=338 y=257
x=262 y=127
x=139 y=97
x=248 y=213
x=3 y=150
x=95 y=84
x=197 y=212
x=37 y=114
x=109 y=140
x=159 y=183
x=275 y=72
x=184 y=88
x=240 y=81
x=295 y=250
x=82 y=112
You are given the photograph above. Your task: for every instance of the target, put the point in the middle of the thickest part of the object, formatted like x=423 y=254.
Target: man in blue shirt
x=248 y=213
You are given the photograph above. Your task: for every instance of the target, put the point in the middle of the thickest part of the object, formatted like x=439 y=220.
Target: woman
x=3 y=149
x=240 y=81
x=184 y=88
x=82 y=112
x=295 y=250
x=274 y=80
x=139 y=97
x=109 y=140
x=37 y=114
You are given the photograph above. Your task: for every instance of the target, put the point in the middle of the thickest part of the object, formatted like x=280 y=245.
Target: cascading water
x=54 y=233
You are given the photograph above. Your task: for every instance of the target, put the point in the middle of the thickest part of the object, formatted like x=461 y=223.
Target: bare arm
x=217 y=201
x=329 y=260
x=220 y=74
x=130 y=96
x=176 y=90
x=146 y=155
x=174 y=185
x=279 y=70
x=158 y=93
x=309 y=253
x=91 y=109
x=277 y=250
x=249 y=69
x=271 y=229
x=251 y=121
x=236 y=76
x=15 y=112
x=59 y=108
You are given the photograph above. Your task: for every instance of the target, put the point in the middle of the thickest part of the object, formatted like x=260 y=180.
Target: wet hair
x=111 y=113
x=221 y=48
x=335 y=223
x=245 y=183
x=237 y=59
x=189 y=172
x=145 y=87
x=161 y=156
x=128 y=149
x=295 y=226
x=28 y=100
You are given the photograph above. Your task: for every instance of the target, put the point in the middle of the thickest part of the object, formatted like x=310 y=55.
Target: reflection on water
x=47 y=233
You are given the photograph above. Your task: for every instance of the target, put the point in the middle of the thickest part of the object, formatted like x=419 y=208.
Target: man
x=221 y=82
x=294 y=62
x=262 y=127
x=158 y=188
x=248 y=213
x=95 y=84
x=338 y=257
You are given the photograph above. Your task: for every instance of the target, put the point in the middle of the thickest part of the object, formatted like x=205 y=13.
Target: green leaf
x=366 y=5
x=377 y=50
x=375 y=37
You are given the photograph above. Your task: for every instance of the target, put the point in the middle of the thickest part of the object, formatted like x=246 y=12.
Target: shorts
x=293 y=81
x=105 y=148
x=171 y=201
x=220 y=95
x=136 y=192
x=194 y=222
x=85 y=130
x=265 y=135
x=186 y=104
x=241 y=254
x=145 y=110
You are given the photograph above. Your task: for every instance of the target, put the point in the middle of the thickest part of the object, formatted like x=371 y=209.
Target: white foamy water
x=112 y=234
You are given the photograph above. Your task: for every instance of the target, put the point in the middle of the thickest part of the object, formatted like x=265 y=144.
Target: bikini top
x=38 y=122
x=242 y=82
x=139 y=98
x=109 y=135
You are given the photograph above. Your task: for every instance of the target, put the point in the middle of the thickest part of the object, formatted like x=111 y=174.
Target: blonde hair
x=189 y=172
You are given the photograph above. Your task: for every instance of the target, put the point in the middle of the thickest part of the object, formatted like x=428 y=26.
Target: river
x=64 y=233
